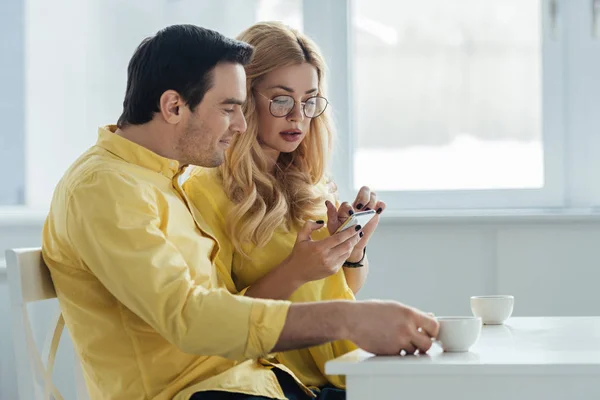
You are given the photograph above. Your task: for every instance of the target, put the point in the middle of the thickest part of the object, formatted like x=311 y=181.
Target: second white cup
x=493 y=310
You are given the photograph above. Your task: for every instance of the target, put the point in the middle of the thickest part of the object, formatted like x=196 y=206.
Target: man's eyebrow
x=232 y=100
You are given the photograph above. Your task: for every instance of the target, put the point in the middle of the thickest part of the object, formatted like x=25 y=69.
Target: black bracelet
x=358 y=264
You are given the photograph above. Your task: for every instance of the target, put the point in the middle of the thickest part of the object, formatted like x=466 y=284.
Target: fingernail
x=357 y=228
x=350 y=212
x=379 y=210
x=320 y=222
x=359 y=206
x=367 y=209
x=361 y=234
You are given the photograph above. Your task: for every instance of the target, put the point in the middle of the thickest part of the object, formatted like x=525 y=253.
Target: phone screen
x=359 y=218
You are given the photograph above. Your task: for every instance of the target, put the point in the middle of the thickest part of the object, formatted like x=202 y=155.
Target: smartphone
x=359 y=218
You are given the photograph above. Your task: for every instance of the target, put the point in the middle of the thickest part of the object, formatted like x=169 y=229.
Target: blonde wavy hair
x=265 y=201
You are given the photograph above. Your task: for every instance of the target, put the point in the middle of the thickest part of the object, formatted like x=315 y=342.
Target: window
x=438 y=104
x=447 y=94
x=467 y=104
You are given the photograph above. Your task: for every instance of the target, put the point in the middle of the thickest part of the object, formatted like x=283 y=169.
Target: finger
x=429 y=324
x=372 y=202
x=332 y=216
x=380 y=207
x=308 y=228
x=340 y=237
x=421 y=341
x=344 y=249
x=370 y=227
x=362 y=198
x=332 y=211
x=372 y=224
x=345 y=211
x=408 y=349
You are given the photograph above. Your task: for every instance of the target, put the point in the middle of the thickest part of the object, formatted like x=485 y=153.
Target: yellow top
x=205 y=190
x=133 y=266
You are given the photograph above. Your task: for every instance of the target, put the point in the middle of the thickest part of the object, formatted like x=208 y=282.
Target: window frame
x=570 y=134
x=336 y=41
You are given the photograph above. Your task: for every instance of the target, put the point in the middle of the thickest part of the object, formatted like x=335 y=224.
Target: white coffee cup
x=458 y=334
x=493 y=310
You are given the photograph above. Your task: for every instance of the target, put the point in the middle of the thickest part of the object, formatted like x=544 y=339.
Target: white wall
x=550 y=267
x=11 y=104
x=76 y=56
x=55 y=107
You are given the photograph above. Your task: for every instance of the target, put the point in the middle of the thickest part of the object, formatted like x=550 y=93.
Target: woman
x=272 y=182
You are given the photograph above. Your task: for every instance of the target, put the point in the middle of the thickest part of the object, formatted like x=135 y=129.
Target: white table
x=527 y=358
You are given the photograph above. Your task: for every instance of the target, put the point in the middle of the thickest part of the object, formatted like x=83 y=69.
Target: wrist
x=351 y=263
x=345 y=319
x=356 y=255
x=290 y=273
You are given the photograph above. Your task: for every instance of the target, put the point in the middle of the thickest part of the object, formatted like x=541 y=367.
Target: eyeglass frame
x=302 y=103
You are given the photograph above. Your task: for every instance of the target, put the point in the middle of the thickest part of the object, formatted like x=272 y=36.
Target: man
x=132 y=260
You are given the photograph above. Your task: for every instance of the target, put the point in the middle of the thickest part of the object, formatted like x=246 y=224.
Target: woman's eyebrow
x=288 y=89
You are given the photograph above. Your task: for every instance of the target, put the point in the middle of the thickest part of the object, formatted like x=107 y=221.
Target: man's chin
x=212 y=163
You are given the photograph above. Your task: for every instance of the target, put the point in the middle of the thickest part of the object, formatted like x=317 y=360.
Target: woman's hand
x=313 y=260
x=310 y=260
x=365 y=200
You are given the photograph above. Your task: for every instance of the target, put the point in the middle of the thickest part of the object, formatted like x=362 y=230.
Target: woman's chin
x=287 y=147
x=288 y=151
x=281 y=146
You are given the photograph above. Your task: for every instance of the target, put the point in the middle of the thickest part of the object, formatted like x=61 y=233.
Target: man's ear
x=171 y=105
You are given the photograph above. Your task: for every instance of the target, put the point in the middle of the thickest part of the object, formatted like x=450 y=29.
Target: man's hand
x=388 y=327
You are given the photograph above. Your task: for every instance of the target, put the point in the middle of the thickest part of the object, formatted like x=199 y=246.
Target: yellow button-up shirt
x=205 y=190
x=132 y=263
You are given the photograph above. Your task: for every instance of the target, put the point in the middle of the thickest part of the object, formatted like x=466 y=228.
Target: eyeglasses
x=282 y=106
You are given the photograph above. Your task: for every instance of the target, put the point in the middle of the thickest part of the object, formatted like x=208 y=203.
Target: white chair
x=29 y=281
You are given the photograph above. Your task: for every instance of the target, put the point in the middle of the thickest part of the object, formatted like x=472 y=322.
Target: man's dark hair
x=180 y=58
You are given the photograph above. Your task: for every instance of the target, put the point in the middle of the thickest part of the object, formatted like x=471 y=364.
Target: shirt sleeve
x=114 y=223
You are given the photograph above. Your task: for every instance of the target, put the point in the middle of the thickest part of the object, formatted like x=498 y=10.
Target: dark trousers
x=290 y=388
